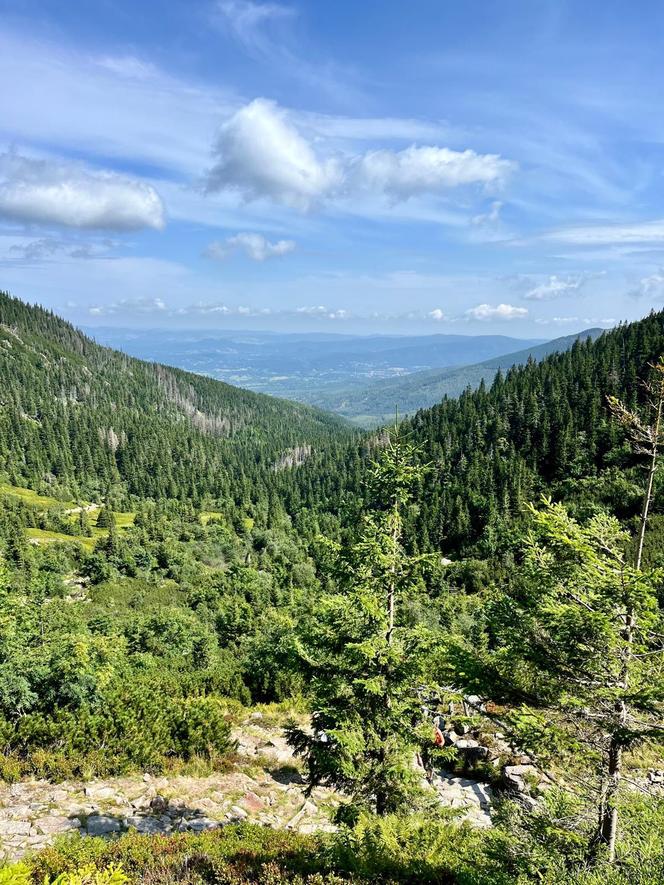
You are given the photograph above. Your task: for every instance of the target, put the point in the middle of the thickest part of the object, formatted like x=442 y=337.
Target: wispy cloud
x=555 y=286
x=248 y=20
x=487 y=312
x=650 y=287
x=61 y=97
x=607 y=234
x=47 y=248
x=492 y=216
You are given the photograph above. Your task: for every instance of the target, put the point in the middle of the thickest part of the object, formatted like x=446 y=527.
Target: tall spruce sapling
x=575 y=641
x=599 y=687
x=106 y=518
x=646 y=435
x=365 y=664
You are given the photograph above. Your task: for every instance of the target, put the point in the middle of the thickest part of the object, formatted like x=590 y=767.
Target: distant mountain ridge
x=376 y=403
x=301 y=366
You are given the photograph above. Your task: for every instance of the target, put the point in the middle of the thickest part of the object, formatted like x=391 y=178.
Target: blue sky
x=355 y=167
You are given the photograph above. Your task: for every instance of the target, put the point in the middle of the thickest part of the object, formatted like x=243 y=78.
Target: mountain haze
x=375 y=403
x=304 y=366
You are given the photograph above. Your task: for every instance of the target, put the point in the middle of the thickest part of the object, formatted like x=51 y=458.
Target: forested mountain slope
x=375 y=403
x=542 y=426
x=131 y=633
x=84 y=419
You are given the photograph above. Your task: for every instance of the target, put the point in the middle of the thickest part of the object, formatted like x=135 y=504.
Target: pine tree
x=558 y=649
x=105 y=518
x=365 y=664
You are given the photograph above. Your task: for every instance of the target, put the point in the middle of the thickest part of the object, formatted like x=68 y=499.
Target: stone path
x=265 y=787
x=473 y=797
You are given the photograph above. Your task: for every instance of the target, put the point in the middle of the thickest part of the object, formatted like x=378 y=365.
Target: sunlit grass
x=28 y=496
x=43 y=536
x=123 y=519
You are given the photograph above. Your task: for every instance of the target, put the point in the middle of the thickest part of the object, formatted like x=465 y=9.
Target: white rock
x=14 y=827
x=57 y=824
x=101 y=824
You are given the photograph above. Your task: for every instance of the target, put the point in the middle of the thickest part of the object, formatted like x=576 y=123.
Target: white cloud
x=323 y=312
x=436 y=314
x=60 y=97
x=651 y=287
x=56 y=193
x=607 y=234
x=555 y=287
x=417 y=170
x=261 y=152
x=256 y=246
x=222 y=309
x=499 y=312
x=556 y=321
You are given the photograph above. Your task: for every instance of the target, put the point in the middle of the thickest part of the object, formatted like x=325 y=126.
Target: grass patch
x=42 y=536
x=28 y=496
x=123 y=520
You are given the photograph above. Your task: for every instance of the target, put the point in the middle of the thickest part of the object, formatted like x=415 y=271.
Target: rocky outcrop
x=514 y=771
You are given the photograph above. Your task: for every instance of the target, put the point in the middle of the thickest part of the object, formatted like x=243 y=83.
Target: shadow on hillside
x=286 y=775
x=160 y=818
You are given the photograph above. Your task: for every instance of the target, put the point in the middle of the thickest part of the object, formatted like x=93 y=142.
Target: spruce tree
x=106 y=518
x=365 y=663
x=84 y=523
x=557 y=650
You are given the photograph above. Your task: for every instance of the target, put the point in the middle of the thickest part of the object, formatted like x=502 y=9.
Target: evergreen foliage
x=83 y=420
x=541 y=428
x=202 y=580
x=365 y=663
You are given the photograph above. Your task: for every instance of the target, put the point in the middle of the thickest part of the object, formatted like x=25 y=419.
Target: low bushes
x=394 y=850
x=133 y=726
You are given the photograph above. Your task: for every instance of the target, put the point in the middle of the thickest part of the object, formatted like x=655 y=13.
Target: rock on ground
x=265 y=787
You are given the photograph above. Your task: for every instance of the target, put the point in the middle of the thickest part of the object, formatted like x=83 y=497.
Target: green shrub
x=91 y=876
x=17 y=874
x=138 y=724
x=408 y=849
